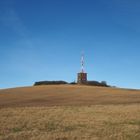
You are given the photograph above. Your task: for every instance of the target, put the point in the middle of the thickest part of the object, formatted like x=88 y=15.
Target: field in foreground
x=109 y=122
x=69 y=113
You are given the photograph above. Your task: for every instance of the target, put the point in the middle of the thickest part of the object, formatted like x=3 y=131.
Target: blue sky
x=43 y=40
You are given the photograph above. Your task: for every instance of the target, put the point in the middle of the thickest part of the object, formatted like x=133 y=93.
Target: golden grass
x=97 y=122
x=67 y=112
x=66 y=95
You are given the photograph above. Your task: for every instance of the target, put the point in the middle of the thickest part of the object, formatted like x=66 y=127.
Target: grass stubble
x=95 y=122
x=69 y=113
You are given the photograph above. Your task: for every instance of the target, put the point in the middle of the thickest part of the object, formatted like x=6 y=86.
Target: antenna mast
x=82 y=63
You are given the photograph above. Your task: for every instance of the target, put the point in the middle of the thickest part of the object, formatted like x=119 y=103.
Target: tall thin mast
x=82 y=62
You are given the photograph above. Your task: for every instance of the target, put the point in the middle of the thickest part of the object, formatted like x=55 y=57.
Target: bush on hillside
x=90 y=83
x=50 y=83
x=96 y=83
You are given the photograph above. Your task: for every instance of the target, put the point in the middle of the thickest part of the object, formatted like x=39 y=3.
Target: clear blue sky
x=43 y=40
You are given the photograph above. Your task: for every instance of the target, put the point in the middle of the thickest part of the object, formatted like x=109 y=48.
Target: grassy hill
x=56 y=95
x=69 y=112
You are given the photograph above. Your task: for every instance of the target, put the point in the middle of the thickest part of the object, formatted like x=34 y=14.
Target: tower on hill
x=82 y=76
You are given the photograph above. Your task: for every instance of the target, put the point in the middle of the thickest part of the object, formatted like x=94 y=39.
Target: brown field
x=67 y=112
x=62 y=95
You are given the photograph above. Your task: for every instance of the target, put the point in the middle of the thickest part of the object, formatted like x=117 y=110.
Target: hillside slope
x=59 y=95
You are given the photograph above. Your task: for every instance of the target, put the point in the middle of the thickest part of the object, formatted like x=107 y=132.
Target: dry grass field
x=67 y=112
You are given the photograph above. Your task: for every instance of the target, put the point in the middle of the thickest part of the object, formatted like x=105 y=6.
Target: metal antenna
x=82 y=62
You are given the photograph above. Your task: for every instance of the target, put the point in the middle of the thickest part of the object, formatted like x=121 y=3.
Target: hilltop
x=61 y=95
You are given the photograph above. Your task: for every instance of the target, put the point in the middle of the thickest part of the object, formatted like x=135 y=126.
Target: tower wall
x=81 y=78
